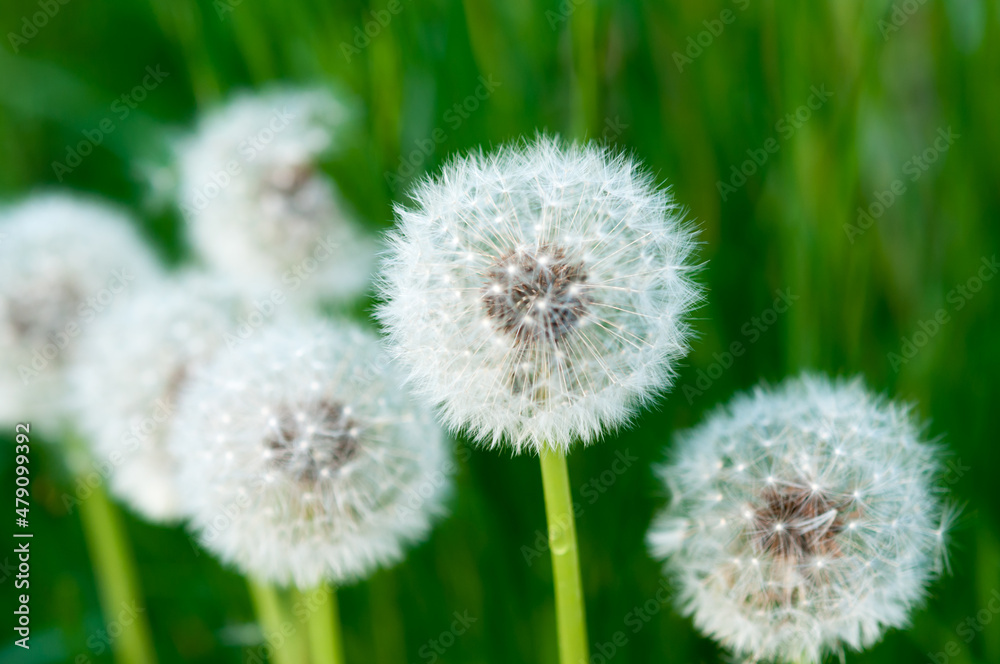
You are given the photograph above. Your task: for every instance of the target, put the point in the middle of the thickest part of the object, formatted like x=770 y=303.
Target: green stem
x=286 y=648
x=385 y=612
x=570 y=618
x=117 y=580
x=325 y=640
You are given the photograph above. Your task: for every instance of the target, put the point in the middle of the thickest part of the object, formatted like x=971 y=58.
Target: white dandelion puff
x=258 y=207
x=303 y=460
x=538 y=294
x=65 y=261
x=132 y=366
x=803 y=519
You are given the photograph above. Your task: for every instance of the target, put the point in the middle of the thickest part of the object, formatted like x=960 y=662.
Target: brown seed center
x=798 y=523
x=536 y=295
x=316 y=445
x=37 y=314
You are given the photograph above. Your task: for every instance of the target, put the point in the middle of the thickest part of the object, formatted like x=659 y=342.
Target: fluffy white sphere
x=133 y=364
x=65 y=262
x=257 y=206
x=303 y=460
x=538 y=294
x=803 y=518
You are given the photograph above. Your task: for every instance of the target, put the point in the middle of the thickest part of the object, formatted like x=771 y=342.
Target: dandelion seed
x=829 y=571
x=325 y=498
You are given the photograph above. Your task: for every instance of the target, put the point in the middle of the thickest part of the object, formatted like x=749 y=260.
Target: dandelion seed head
x=259 y=208
x=538 y=294
x=831 y=571
x=65 y=261
x=167 y=330
x=328 y=483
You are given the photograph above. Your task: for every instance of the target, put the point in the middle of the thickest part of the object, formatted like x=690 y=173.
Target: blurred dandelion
x=302 y=459
x=132 y=367
x=309 y=434
x=258 y=207
x=65 y=261
x=803 y=518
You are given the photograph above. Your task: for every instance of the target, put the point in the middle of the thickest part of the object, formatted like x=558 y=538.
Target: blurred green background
x=699 y=91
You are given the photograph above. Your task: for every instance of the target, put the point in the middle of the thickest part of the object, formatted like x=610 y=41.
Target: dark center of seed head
x=290 y=180
x=317 y=445
x=536 y=295
x=41 y=312
x=798 y=523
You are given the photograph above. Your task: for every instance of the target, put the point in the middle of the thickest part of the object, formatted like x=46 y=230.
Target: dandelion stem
x=325 y=640
x=117 y=580
x=570 y=616
x=286 y=648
